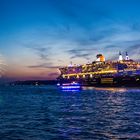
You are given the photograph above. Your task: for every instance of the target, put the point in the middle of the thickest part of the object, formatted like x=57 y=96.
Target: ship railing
x=88 y=73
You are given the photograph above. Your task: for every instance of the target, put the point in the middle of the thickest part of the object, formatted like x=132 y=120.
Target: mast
x=120 y=56
x=126 y=57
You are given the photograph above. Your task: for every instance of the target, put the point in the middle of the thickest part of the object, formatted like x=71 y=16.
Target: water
x=46 y=113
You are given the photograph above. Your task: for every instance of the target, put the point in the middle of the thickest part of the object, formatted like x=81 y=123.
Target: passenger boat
x=69 y=86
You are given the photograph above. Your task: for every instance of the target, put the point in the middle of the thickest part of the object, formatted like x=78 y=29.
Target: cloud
x=53 y=74
x=43 y=52
x=81 y=42
x=81 y=53
x=3 y=66
x=44 y=65
x=77 y=42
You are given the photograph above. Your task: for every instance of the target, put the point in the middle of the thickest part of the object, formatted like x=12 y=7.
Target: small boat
x=69 y=86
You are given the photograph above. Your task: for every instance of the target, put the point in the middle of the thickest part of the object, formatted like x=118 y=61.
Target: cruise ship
x=122 y=72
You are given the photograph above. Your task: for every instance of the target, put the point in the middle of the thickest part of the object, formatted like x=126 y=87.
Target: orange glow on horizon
x=32 y=74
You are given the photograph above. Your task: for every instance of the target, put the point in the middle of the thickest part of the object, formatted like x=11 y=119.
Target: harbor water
x=47 y=113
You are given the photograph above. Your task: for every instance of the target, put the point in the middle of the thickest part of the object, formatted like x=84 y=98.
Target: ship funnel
x=100 y=58
x=120 y=56
x=126 y=57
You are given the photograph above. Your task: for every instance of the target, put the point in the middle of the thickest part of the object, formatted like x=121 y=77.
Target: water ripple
x=40 y=113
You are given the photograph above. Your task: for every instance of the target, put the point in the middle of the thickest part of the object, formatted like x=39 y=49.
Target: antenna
x=70 y=65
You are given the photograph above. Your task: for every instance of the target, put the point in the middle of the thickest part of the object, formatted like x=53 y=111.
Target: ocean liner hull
x=106 y=81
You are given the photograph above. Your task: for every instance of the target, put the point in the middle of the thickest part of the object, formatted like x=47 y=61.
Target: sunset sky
x=38 y=36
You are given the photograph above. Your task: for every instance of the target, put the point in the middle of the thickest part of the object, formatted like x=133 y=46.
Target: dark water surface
x=46 y=113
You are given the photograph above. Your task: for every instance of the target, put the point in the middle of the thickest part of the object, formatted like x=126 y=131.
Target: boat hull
x=106 y=81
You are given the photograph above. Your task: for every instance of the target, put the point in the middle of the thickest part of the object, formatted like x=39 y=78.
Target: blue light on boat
x=70 y=86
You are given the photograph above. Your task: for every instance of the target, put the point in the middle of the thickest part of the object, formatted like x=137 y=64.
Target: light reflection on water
x=44 y=112
x=113 y=89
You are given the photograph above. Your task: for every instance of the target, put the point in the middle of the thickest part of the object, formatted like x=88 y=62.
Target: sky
x=38 y=36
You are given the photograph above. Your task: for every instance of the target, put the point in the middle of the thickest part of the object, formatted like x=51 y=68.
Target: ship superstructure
x=122 y=71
